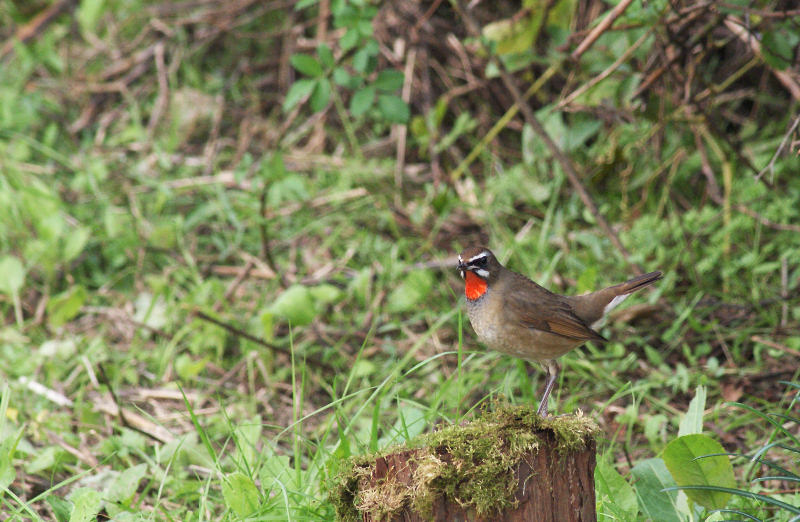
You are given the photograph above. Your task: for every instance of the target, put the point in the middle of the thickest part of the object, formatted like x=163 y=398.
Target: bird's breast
x=498 y=332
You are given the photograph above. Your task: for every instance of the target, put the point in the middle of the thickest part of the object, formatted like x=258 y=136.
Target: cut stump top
x=510 y=465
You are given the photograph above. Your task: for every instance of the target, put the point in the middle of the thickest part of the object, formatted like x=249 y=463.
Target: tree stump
x=510 y=466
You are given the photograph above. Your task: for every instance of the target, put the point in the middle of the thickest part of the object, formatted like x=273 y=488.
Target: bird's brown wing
x=536 y=307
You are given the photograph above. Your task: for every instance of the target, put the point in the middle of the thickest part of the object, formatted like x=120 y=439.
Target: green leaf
x=66 y=305
x=299 y=90
x=45 y=458
x=414 y=289
x=365 y=27
x=393 y=108
x=7 y=471
x=350 y=39
x=125 y=484
x=692 y=422
x=296 y=304
x=778 y=48
x=306 y=64
x=75 y=242
x=61 y=507
x=325 y=294
x=388 y=80
x=240 y=493
x=650 y=478
x=277 y=468
x=248 y=435
x=362 y=61
x=88 y=14
x=516 y=34
x=151 y=310
x=87 y=505
x=343 y=78
x=686 y=461
x=361 y=285
x=12 y=275
x=615 y=497
x=325 y=55
x=362 y=100
x=188 y=368
x=321 y=95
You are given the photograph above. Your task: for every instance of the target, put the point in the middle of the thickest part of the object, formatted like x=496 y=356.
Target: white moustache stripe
x=482 y=273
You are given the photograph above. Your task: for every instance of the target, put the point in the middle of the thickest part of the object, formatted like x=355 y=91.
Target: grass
x=141 y=192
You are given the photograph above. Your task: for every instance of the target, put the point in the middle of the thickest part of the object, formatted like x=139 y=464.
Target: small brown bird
x=512 y=314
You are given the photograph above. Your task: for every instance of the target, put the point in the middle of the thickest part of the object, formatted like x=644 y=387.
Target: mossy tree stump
x=511 y=465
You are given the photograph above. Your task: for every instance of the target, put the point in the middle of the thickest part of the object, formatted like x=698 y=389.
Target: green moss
x=472 y=465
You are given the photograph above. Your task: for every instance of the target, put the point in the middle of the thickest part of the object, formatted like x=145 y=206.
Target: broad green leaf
x=361 y=285
x=778 y=48
x=616 y=499
x=306 y=64
x=7 y=471
x=393 y=108
x=75 y=242
x=296 y=304
x=125 y=484
x=362 y=100
x=247 y=437
x=365 y=27
x=291 y=188
x=325 y=294
x=650 y=478
x=363 y=61
x=187 y=367
x=45 y=458
x=87 y=505
x=12 y=275
x=151 y=310
x=240 y=493
x=61 y=507
x=692 y=422
x=66 y=305
x=299 y=90
x=580 y=131
x=88 y=14
x=414 y=289
x=686 y=461
x=516 y=34
x=277 y=468
x=274 y=169
x=321 y=94
x=325 y=55
x=363 y=367
x=350 y=39
x=388 y=80
x=343 y=78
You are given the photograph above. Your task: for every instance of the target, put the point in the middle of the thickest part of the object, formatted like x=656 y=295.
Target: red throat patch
x=476 y=286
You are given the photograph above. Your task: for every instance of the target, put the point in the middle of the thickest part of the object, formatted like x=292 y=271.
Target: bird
x=513 y=315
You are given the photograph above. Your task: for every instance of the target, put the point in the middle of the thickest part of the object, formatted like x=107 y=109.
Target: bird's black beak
x=462 y=267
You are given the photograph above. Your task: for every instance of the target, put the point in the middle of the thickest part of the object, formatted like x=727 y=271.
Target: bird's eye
x=481 y=262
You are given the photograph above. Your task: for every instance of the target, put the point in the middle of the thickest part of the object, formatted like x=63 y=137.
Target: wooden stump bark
x=546 y=473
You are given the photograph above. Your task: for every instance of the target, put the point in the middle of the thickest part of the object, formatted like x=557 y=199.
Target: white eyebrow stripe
x=479 y=256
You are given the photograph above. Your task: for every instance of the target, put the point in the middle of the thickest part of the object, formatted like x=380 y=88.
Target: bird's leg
x=551 y=370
